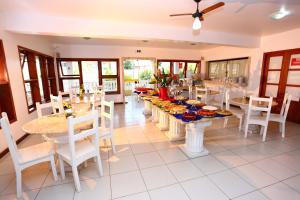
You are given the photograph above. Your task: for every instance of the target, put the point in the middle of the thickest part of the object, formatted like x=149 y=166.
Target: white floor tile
x=172 y=155
x=140 y=196
x=157 y=177
x=185 y=170
x=122 y=164
x=94 y=189
x=91 y=171
x=27 y=195
x=174 y=192
x=127 y=183
x=121 y=150
x=289 y=161
x=230 y=159
x=143 y=147
x=233 y=188
x=255 y=176
x=5 y=180
x=294 y=182
x=209 y=164
x=248 y=154
x=203 y=188
x=147 y=160
x=275 y=169
x=252 y=196
x=280 y=191
x=58 y=192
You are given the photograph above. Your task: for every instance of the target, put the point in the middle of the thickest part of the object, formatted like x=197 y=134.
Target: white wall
x=98 y=51
x=10 y=43
x=285 y=40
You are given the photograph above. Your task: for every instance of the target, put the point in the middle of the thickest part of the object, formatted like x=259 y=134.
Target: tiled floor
x=148 y=166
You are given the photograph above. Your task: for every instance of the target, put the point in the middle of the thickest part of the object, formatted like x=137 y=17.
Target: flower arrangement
x=67 y=105
x=163 y=79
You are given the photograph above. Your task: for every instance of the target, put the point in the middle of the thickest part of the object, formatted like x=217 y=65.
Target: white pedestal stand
x=193 y=146
x=155 y=114
x=163 y=123
x=147 y=108
x=176 y=130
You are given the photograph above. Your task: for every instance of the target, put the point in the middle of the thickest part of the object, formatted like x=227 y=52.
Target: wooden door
x=280 y=75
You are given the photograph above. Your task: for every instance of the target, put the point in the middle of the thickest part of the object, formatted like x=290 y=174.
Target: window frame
x=33 y=81
x=80 y=76
x=207 y=75
x=172 y=61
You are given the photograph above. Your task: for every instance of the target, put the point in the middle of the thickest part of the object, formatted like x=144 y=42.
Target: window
x=231 y=68
x=90 y=73
x=38 y=75
x=184 y=68
x=6 y=99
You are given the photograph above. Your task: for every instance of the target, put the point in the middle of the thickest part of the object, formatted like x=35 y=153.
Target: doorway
x=138 y=72
x=280 y=75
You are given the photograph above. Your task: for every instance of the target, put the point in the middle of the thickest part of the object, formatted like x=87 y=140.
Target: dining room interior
x=150 y=100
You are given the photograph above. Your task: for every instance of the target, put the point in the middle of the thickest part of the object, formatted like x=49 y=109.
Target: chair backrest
x=57 y=104
x=41 y=107
x=285 y=105
x=74 y=136
x=260 y=105
x=12 y=146
x=97 y=98
x=201 y=93
x=107 y=115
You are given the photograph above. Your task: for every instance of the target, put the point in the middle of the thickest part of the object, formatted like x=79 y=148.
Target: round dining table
x=55 y=126
x=243 y=103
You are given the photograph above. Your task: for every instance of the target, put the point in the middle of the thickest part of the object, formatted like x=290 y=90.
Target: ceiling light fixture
x=197 y=24
x=280 y=14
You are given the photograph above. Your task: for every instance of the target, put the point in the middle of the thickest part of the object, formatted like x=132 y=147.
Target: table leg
x=193 y=146
x=147 y=108
x=176 y=130
x=155 y=115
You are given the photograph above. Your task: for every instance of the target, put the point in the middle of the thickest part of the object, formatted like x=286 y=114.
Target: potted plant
x=163 y=80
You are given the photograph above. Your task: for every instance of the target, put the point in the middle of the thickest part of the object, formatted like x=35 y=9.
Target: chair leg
x=19 y=183
x=283 y=130
x=240 y=123
x=112 y=143
x=261 y=130
x=265 y=133
x=246 y=130
x=76 y=178
x=280 y=127
x=225 y=122
x=54 y=172
x=62 y=167
x=99 y=164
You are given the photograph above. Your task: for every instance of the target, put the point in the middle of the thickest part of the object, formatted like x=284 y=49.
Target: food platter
x=224 y=112
x=210 y=108
x=206 y=113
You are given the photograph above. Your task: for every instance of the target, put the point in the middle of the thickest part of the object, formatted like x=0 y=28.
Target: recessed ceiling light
x=145 y=41
x=193 y=44
x=280 y=14
x=86 y=38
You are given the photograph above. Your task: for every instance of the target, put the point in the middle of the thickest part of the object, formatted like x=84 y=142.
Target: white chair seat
x=40 y=151
x=276 y=117
x=82 y=149
x=259 y=120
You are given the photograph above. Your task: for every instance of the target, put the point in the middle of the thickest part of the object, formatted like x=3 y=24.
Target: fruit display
x=195 y=103
x=189 y=116
x=178 y=109
x=206 y=113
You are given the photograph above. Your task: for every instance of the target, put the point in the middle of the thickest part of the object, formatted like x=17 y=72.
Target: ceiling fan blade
x=183 y=14
x=213 y=7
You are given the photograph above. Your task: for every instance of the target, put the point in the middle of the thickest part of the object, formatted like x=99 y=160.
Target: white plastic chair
x=81 y=146
x=26 y=157
x=262 y=120
x=218 y=100
x=41 y=107
x=97 y=98
x=107 y=132
x=57 y=104
x=281 y=118
x=202 y=94
x=63 y=94
x=236 y=112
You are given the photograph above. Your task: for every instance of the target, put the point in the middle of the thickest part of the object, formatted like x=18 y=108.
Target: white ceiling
x=127 y=42
x=250 y=17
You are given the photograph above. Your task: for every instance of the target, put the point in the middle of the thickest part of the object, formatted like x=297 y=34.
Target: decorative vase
x=163 y=93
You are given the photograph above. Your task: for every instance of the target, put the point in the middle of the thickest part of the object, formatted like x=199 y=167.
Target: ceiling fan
x=198 y=15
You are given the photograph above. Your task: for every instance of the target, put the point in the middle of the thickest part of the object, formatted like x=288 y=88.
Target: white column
x=163 y=123
x=155 y=115
x=147 y=107
x=193 y=146
x=176 y=130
